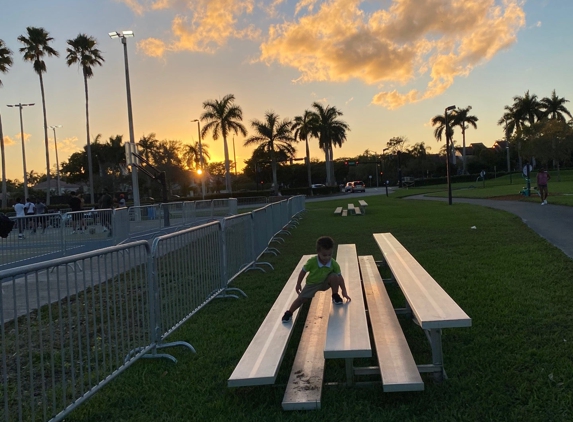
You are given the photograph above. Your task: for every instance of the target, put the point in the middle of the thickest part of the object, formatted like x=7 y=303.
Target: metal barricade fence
x=32 y=236
x=203 y=208
x=175 y=210
x=238 y=243
x=224 y=207
x=120 y=228
x=69 y=326
x=144 y=218
x=189 y=211
x=187 y=270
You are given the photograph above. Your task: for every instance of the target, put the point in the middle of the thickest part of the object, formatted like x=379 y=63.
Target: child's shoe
x=336 y=299
x=287 y=316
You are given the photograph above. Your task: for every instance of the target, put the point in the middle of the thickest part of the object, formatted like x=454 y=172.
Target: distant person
x=105 y=203
x=20 y=217
x=76 y=206
x=40 y=210
x=323 y=274
x=121 y=200
x=542 y=178
x=30 y=209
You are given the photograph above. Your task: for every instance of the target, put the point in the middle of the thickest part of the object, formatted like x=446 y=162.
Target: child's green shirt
x=317 y=272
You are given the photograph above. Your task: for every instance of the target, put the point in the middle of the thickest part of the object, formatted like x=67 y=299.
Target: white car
x=356 y=186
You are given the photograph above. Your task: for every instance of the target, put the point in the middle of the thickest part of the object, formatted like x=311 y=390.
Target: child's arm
x=301 y=275
x=343 y=288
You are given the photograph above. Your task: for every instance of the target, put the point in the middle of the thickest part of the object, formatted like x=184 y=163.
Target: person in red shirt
x=542 y=178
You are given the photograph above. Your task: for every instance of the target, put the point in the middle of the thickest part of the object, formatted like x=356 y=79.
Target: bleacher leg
x=349 y=372
x=437 y=356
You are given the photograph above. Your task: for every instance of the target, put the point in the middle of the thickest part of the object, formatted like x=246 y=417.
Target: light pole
x=201 y=158
x=134 y=177
x=3 y=154
x=20 y=106
x=57 y=162
x=448 y=153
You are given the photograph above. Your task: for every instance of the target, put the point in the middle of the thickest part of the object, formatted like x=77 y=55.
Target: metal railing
x=70 y=325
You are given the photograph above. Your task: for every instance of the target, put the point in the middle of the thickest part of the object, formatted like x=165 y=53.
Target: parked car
x=356 y=186
x=318 y=185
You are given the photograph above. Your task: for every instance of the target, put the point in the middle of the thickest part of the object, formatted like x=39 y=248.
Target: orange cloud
x=202 y=25
x=442 y=39
x=8 y=141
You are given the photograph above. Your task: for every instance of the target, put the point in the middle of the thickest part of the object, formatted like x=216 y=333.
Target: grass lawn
x=514 y=364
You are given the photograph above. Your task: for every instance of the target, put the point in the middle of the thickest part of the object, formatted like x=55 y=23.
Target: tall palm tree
x=272 y=134
x=554 y=107
x=302 y=127
x=330 y=131
x=513 y=123
x=36 y=48
x=528 y=107
x=223 y=117
x=5 y=63
x=83 y=51
x=464 y=120
x=441 y=129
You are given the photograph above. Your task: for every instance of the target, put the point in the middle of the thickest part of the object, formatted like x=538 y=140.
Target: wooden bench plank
x=338 y=210
x=260 y=362
x=351 y=208
x=304 y=388
x=363 y=206
x=357 y=211
x=397 y=366
x=431 y=305
x=347 y=335
x=344 y=213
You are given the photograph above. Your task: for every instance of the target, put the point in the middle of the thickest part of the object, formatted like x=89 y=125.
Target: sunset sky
x=388 y=65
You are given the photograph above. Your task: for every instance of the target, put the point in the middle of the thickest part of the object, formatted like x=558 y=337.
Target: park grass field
x=514 y=364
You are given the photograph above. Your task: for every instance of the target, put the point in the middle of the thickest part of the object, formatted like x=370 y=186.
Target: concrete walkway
x=552 y=222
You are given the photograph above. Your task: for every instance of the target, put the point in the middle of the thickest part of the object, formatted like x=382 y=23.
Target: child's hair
x=324 y=243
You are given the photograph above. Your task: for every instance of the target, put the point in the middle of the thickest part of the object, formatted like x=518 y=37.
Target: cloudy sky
x=388 y=65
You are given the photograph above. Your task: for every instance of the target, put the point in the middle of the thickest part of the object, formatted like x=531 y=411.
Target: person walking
x=20 y=217
x=542 y=178
x=105 y=204
x=30 y=209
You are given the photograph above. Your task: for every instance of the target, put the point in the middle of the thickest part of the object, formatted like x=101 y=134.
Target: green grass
x=514 y=364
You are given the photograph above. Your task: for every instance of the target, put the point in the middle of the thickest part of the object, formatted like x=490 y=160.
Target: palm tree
x=330 y=131
x=83 y=52
x=273 y=134
x=223 y=117
x=36 y=47
x=554 y=107
x=192 y=154
x=462 y=119
x=302 y=127
x=528 y=107
x=149 y=146
x=5 y=63
x=440 y=121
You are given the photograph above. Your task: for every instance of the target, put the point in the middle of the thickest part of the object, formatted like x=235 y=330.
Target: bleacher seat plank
x=347 y=334
x=304 y=388
x=431 y=305
x=260 y=362
x=397 y=366
x=351 y=208
x=338 y=210
x=357 y=211
x=344 y=213
x=363 y=205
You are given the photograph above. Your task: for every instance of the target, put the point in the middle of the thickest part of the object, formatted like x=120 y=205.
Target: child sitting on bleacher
x=323 y=274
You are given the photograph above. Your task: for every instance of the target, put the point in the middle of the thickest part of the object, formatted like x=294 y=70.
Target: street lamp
x=201 y=158
x=20 y=106
x=57 y=162
x=134 y=177
x=448 y=153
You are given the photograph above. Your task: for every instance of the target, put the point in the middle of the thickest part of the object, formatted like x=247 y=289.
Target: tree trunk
x=4 y=190
x=326 y=157
x=89 y=146
x=464 y=150
x=227 y=169
x=307 y=164
x=45 y=140
x=274 y=170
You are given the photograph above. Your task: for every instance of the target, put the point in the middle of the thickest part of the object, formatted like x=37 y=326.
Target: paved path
x=552 y=222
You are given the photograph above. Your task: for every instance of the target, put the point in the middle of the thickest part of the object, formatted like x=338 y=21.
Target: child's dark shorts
x=309 y=290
